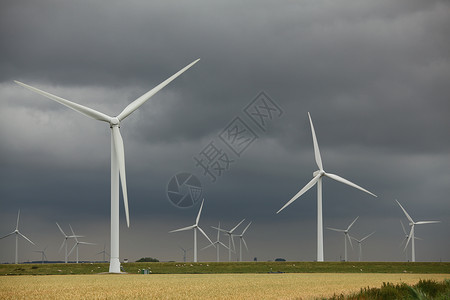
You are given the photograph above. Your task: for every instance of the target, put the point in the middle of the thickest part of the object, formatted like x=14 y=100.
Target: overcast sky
x=373 y=74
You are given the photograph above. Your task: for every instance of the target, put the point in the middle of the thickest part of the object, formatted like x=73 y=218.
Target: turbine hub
x=321 y=172
x=114 y=121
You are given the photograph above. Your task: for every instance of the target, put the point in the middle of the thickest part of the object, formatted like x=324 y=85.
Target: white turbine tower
x=217 y=243
x=77 y=243
x=17 y=233
x=318 y=179
x=65 y=241
x=411 y=233
x=242 y=240
x=346 y=236
x=230 y=237
x=359 y=243
x=195 y=227
x=117 y=154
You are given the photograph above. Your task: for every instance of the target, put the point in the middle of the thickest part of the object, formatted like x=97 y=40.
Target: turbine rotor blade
x=223 y=245
x=86 y=243
x=427 y=222
x=199 y=212
x=335 y=229
x=302 y=191
x=245 y=229
x=142 y=99
x=207 y=247
x=89 y=112
x=347 y=182
x=7 y=235
x=406 y=214
x=120 y=157
x=367 y=236
x=201 y=230
x=71 y=250
x=61 y=230
x=26 y=238
x=62 y=245
x=350 y=240
x=183 y=229
x=409 y=237
x=404 y=230
x=234 y=228
x=220 y=229
x=17 y=224
x=232 y=241
x=245 y=244
x=352 y=223
x=73 y=233
x=316 y=145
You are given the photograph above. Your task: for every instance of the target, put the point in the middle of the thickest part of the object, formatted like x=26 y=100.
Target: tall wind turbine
x=44 y=257
x=195 y=227
x=217 y=243
x=17 y=233
x=318 y=179
x=405 y=239
x=346 y=236
x=117 y=154
x=230 y=237
x=65 y=241
x=241 y=240
x=77 y=243
x=359 y=243
x=411 y=233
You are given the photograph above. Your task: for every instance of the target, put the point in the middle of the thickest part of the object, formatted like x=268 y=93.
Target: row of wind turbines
x=118 y=168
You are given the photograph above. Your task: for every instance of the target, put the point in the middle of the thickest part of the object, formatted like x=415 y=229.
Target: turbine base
x=114 y=265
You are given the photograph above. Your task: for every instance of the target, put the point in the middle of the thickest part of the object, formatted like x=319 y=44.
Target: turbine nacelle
x=319 y=172
x=114 y=121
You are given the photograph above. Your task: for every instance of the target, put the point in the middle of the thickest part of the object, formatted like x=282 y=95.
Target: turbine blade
x=335 y=229
x=73 y=233
x=71 y=250
x=367 y=236
x=427 y=222
x=77 y=107
x=199 y=212
x=246 y=228
x=245 y=244
x=120 y=156
x=183 y=229
x=142 y=99
x=26 y=238
x=86 y=243
x=7 y=235
x=234 y=228
x=223 y=245
x=406 y=214
x=409 y=237
x=201 y=230
x=61 y=229
x=17 y=224
x=207 y=247
x=316 y=145
x=404 y=230
x=302 y=191
x=352 y=223
x=220 y=229
x=350 y=240
x=347 y=182
x=62 y=245
x=232 y=241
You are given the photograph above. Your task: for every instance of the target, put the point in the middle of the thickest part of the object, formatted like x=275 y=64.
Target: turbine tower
x=65 y=241
x=241 y=240
x=117 y=154
x=195 y=227
x=77 y=243
x=411 y=233
x=346 y=236
x=359 y=243
x=230 y=237
x=217 y=243
x=17 y=233
x=318 y=179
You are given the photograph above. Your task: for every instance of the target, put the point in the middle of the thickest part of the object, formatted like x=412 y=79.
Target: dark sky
x=373 y=74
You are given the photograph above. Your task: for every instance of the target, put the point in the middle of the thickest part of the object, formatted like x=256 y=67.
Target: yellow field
x=196 y=286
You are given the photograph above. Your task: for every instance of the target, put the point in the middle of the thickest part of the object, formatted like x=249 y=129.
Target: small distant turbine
x=77 y=242
x=44 y=257
x=184 y=252
x=230 y=237
x=195 y=227
x=241 y=240
x=17 y=233
x=103 y=252
x=411 y=233
x=346 y=236
x=65 y=241
x=217 y=243
x=359 y=243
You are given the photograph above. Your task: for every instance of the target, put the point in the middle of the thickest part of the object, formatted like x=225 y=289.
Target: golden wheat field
x=196 y=286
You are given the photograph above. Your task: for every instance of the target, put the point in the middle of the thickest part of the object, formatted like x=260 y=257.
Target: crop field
x=197 y=286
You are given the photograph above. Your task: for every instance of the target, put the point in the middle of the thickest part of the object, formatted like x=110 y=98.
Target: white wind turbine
x=65 y=241
x=103 y=252
x=241 y=240
x=217 y=243
x=117 y=154
x=318 y=179
x=411 y=233
x=195 y=227
x=359 y=243
x=230 y=237
x=406 y=238
x=184 y=252
x=346 y=236
x=77 y=243
x=17 y=233
x=43 y=256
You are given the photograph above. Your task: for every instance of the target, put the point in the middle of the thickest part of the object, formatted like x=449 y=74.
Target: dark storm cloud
x=374 y=76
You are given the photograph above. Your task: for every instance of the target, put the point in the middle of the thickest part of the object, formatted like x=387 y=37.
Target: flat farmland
x=198 y=286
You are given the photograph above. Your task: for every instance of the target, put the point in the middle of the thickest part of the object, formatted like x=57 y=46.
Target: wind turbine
x=406 y=238
x=184 y=252
x=43 y=254
x=77 y=242
x=230 y=237
x=103 y=252
x=17 y=233
x=241 y=240
x=318 y=179
x=359 y=243
x=65 y=241
x=117 y=154
x=411 y=233
x=346 y=236
x=217 y=243
x=195 y=227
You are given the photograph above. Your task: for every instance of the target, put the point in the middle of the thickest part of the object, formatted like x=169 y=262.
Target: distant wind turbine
x=230 y=237
x=184 y=252
x=44 y=257
x=103 y=252
x=195 y=227
x=65 y=241
x=411 y=233
x=117 y=154
x=217 y=243
x=242 y=240
x=77 y=243
x=318 y=179
x=359 y=243
x=346 y=236
x=17 y=233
